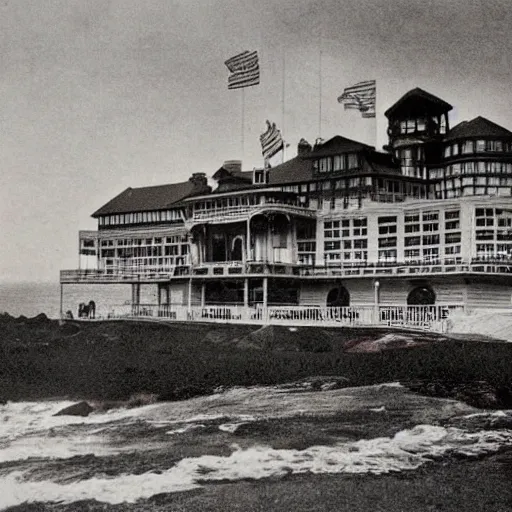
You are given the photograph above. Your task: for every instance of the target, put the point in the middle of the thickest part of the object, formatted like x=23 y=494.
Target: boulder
x=78 y=409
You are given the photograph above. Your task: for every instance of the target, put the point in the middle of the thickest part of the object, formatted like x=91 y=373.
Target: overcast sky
x=100 y=95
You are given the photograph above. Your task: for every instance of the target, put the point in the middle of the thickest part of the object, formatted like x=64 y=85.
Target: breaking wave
x=407 y=450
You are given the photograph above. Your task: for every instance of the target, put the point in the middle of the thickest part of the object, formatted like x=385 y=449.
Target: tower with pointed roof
x=417 y=123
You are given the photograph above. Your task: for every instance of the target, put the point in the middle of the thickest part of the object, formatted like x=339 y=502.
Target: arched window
x=421 y=296
x=338 y=297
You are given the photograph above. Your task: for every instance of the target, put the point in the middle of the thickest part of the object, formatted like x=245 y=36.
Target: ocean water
x=31 y=299
x=47 y=458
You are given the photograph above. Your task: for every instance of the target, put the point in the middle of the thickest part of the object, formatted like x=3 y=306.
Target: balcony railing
x=242 y=212
x=432 y=318
x=238 y=268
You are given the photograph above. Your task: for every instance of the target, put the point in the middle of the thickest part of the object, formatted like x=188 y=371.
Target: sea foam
x=407 y=450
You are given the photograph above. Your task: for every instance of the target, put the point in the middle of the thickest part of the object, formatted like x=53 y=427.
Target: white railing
x=432 y=318
x=228 y=213
x=255 y=267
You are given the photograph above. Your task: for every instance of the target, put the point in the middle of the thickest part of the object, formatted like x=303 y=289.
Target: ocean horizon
x=31 y=299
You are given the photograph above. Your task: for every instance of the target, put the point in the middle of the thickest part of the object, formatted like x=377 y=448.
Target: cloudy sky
x=100 y=95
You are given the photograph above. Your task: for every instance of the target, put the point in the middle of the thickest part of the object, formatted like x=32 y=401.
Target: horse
x=91 y=309
x=83 y=310
x=87 y=310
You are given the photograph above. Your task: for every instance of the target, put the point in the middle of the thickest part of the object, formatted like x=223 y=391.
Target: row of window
x=476 y=146
x=127 y=242
x=472 y=191
x=336 y=163
x=432 y=125
x=470 y=168
x=123 y=219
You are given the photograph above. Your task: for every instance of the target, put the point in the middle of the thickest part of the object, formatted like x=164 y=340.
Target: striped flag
x=360 y=97
x=271 y=141
x=245 y=70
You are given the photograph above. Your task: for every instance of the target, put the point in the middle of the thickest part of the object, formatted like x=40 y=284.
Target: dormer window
x=260 y=176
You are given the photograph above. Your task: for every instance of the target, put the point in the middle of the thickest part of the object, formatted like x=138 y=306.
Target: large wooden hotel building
x=341 y=232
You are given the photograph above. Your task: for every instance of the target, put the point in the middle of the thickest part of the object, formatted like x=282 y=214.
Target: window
x=467 y=147
x=332 y=246
x=454 y=224
x=452 y=238
x=389 y=241
x=386 y=220
x=339 y=163
x=411 y=254
x=430 y=239
x=412 y=240
x=352 y=161
x=384 y=230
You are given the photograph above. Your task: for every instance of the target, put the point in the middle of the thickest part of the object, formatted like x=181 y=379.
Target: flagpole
x=375 y=108
x=320 y=87
x=283 y=101
x=243 y=123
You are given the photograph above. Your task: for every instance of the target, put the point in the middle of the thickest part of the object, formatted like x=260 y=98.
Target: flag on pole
x=360 y=97
x=245 y=70
x=271 y=141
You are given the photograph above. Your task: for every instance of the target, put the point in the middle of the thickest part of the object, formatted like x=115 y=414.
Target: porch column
x=265 y=292
x=246 y=292
x=376 y=286
x=203 y=293
x=248 y=241
x=135 y=298
x=135 y=294
x=189 y=298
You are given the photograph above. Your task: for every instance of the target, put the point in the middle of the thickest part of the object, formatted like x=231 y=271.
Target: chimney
x=303 y=148
x=200 y=182
x=233 y=165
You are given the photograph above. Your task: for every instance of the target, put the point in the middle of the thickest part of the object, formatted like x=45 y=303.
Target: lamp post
x=376 y=286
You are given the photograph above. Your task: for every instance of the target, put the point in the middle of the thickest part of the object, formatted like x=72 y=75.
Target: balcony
x=261 y=268
x=123 y=275
x=243 y=212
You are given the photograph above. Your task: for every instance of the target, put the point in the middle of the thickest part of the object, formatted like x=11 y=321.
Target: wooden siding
x=488 y=295
x=315 y=293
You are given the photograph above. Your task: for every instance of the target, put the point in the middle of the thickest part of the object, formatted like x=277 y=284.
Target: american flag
x=360 y=96
x=271 y=141
x=245 y=70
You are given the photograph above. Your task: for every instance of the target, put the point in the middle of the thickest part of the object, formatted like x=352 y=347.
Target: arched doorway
x=338 y=297
x=421 y=296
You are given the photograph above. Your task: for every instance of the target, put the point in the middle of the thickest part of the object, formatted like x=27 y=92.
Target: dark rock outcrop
x=480 y=394
x=78 y=409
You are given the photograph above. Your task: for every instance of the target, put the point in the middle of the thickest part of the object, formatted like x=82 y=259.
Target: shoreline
x=116 y=361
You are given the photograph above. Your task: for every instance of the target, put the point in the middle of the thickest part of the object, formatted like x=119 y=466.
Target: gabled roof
x=291 y=171
x=381 y=162
x=157 y=197
x=417 y=102
x=337 y=146
x=301 y=169
x=478 y=127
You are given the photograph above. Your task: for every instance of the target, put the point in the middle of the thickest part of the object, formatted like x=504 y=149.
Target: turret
x=417 y=123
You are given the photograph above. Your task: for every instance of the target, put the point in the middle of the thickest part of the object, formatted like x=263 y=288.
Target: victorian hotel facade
x=339 y=234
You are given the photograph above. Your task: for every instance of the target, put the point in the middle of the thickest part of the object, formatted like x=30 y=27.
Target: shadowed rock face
x=79 y=409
